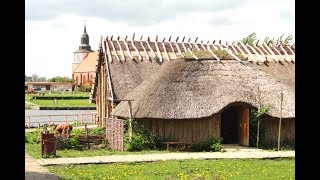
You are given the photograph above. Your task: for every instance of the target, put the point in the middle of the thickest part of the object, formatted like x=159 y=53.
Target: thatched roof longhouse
x=195 y=89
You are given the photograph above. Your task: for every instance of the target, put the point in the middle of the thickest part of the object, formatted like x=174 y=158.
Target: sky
x=53 y=28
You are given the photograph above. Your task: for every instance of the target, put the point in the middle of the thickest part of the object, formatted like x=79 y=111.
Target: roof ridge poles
x=255 y=45
x=114 y=49
x=144 y=49
x=275 y=58
x=248 y=52
x=127 y=47
x=192 y=54
x=280 y=59
x=120 y=48
x=164 y=49
x=269 y=55
x=157 y=48
x=174 y=53
x=293 y=54
x=184 y=47
x=195 y=44
x=108 y=49
x=214 y=55
x=153 y=53
x=108 y=71
x=285 y=52
x=134 y=47
x=179 y=51
x=243 y=54
x=229 y=51
x=255 y=52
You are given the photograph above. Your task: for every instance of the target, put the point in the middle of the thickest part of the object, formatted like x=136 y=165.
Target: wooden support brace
x=192 y=54
x=288 y=58
x=135 y=48
x=184 y=47
x=243 y=54
x=120 y=48
x=114 y=49
x=108 y=49
x=127 y=47
x=214 y=46
x=249 y=52
x=230 y=52
x=153 y=53
x=174 y=53
x=165 y=50
x=195 y=44
x=293 y=54
x=144 y=49
x=202 y=45
x=262 y=54
x=271 y=52
x=282 y=57
x=177 y=46
x=257 y=54
x=214 y=55
x=158 y=50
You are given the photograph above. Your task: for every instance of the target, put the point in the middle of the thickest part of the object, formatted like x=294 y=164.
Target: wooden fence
x=39 y=120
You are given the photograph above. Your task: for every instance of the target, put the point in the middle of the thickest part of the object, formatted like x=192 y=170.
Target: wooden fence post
x=279 y=132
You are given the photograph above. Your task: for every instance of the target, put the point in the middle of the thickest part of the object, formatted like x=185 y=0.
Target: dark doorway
x=229 y=125
x=47 y=87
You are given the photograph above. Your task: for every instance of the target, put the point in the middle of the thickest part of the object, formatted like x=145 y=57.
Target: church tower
x=83 y=51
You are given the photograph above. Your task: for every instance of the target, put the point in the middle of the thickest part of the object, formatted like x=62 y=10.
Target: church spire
x=85 y=40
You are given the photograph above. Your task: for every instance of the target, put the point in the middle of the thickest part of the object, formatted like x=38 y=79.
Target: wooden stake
x=135 y=48
x=174 y=53
x=157 y=48
x=164 y=49
x=114 y=49
x=121 y=51
x=285 y=52
x=107 y=49
x=275 y=58
x=149 y=46
x=130 y=121
x=127 y=47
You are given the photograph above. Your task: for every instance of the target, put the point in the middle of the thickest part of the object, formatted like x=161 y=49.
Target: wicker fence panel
x=115 y=133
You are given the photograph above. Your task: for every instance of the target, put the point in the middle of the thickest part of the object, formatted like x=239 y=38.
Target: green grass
x=33 y=147
x=59 y=94
x=63 y=103
x=186 y=169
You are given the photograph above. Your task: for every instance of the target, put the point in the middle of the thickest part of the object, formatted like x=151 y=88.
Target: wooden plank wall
x=271 y=125
x=186 y=130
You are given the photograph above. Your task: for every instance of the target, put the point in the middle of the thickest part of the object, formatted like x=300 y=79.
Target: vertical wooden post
x=279 y=132
x=130 y=121
x=86 y=131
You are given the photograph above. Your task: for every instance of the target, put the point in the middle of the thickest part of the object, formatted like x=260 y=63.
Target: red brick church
x=83 y=64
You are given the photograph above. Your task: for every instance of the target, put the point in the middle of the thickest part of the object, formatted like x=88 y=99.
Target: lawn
x=187 y=169
x=63 y=103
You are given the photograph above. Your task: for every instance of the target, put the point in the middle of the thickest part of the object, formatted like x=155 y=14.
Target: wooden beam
x=257 y=54
x=184 y=47
x=293 y=54
x=285 y=52
x=164 y=49
x=249 y=52
x=127 y=47
x=114 y=49
x=282 y=57
x=179 y=51
x=234 y=49
x=192 y=54
x=158 y=50
x=144 y=49
x=153 y=54
x=190 y=46
x=269 y=55
x=108 y=49
x=108 y=72
x=262 y=54
x=195 y=44
x=271 y=52
x=230 y=52
x=135 y=48
x=213 y=45
x=174 y=53
x=243 y=54
x=213 y=54
x=201 y=44
x=121 y=51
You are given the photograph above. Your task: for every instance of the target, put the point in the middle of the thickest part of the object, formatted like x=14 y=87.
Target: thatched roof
x=193 y=89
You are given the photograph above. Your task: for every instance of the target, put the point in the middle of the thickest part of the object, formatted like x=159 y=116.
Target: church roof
x=88 y=63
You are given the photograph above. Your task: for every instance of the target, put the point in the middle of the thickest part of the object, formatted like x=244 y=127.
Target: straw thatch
x=195 y=89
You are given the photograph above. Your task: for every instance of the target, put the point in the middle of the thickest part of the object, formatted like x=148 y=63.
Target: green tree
x=60 y=79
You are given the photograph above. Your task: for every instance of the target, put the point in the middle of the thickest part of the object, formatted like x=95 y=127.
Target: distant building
x=48 y=86
x=83 y=64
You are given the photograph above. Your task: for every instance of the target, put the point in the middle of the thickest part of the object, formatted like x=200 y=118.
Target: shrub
x=142 y=139
x=32 y=136
x=67 y=143
x=207 y=145
x=254 y=117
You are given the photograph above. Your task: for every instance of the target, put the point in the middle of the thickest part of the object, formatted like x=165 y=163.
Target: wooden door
x=244 y=127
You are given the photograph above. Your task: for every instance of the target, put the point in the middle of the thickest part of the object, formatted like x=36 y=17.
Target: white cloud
x=53 y=29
